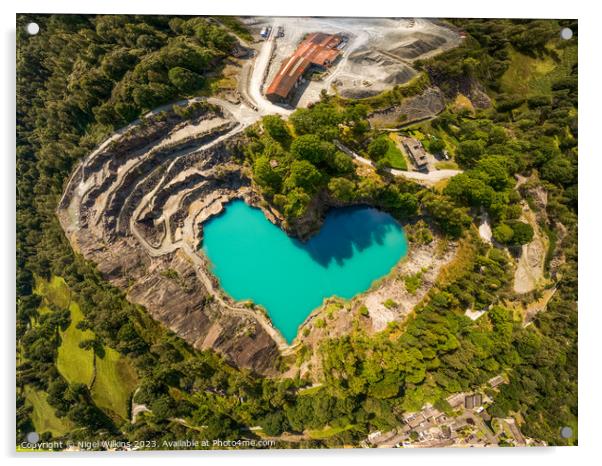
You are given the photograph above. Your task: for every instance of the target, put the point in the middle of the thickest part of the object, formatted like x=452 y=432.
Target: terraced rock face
x=136 y=206
x=422 y=106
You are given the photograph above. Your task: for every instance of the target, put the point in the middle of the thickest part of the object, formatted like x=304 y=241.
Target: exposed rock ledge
x=136 y=207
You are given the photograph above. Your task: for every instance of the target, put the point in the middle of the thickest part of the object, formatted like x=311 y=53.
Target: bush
x=277 y=129
x=513 y=233
x=469 y=152
x=342 y=189
x=184 y=79
x=522 y=233
x=378 y=148
x=503 y=233
x=274 y=423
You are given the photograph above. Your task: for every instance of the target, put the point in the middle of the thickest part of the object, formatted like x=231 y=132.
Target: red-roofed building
x=318 y=50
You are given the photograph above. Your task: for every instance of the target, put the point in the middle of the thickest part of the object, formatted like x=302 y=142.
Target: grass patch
x=55 y=291
x=526 y=75
x=74 y=363
x=43 y=416
x=530 y=76
x=328 y=431
x=114 y=383
x=223 y=84
x=413 y=282
x=394 y=157
x=309 y=390
x=446 y=165
x=320 y=323
x=440 y=185
x=112 y=377
x=390 y=304
x=425 y=130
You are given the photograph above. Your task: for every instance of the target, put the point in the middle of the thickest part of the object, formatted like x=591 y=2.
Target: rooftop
x=317 y=49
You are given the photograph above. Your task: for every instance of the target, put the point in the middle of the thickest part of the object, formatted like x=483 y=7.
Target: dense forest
x=84 y=76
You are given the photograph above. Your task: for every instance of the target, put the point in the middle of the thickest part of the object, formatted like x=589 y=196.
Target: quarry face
x=136 y=205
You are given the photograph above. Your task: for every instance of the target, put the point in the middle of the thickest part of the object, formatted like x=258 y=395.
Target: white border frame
x=589 y=172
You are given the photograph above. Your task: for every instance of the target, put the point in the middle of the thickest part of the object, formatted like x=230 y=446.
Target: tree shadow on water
x=344 y=229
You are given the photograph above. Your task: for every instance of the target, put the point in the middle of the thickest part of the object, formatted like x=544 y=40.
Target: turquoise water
x=254 y=259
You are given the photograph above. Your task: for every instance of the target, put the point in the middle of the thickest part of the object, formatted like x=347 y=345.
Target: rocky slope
x=135 y=207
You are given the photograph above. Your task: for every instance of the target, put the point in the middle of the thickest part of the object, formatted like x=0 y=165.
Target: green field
x=328 y=431
x=111 y=378
x=529 y=76
x=74 y=363
x=310 y=390
x=54 y=292
x=114 y=383
x=446 y=165
x=394 y=156
x=43 y=417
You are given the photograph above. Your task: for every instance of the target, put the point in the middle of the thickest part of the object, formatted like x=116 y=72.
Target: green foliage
x=532 y=76
x=378 y=148
x=85 y=75
x=274 y=423
x=426 y=362
x=503 y=233
x=468 y=190
x=320 y=323
x=322 y=120
x=342 y=189
x=80 y=74
x=303 y=174
x=435 y=146
x=265 y=175
x=277 y=129
x=513 y=233
x=185 y=80
x=390 y=304
x=311 y=148
x=293 y=170
x=559 y=170
x=469 y=152
x=451 y=219
x=522 y=232
x=419 y=233
x=413 y=282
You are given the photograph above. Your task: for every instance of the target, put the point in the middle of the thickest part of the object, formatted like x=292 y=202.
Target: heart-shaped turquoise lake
x=254 y=259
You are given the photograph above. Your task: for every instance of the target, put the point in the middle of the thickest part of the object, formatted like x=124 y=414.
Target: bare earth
x=530 y=265
x=379 y=53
